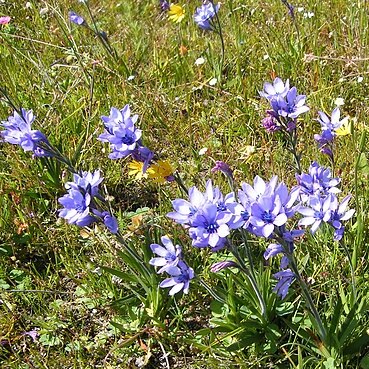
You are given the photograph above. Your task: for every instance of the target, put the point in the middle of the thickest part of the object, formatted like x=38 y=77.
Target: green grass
x=62 y=73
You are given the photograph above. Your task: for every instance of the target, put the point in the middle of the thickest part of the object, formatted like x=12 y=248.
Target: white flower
x=130 y=78
x=266 y=56
x=44 y=11
x=309 y=15
x=203 y=151
x=360 y=79
x=339 y=101
x=213 y=82
x=199 y=61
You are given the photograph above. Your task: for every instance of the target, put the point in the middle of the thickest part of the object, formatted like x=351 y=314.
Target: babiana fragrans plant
x=254 y=237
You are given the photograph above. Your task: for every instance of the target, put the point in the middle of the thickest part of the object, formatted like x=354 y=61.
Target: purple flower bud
x=217 y=267
x=270 y=124
x=223 y=167
x=164 y=5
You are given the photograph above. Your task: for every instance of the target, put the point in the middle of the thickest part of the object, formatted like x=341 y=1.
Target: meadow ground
x=70 y=287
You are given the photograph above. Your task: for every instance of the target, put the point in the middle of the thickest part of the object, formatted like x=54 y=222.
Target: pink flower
x=4 y=20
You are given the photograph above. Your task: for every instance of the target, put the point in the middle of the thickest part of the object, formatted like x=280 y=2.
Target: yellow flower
x=136 y=169
x=345 y=129
x=176 y=13
x=161 y=171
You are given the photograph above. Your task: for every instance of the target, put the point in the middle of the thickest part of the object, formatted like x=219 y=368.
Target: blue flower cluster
x=286 y=105
x=18 y=131
x=80 y=205
x=263 y=209
x=171 y=261
x=124 y=137
x=318 y=193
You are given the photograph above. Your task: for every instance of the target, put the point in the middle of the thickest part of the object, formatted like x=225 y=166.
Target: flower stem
x=308 y=299
x=220 y=33
x=251 y=278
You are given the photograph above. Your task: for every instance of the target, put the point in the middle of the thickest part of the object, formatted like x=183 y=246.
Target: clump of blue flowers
x=81 y=202
x=18 y=131
x=170 y=259
x=124 y=137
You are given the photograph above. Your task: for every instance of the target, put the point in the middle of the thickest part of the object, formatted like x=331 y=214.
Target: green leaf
x=364 y=363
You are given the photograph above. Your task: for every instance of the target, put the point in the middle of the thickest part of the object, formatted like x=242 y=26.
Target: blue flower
x=260 y=188
x=143 y=155
x=76 y=208
x=18 y=132
x=185 y=210
x=339 y=215
x=169 y=255
x=209 y=228
x=266 y=213
x=318 y=181
x=80 y=207
x=278 y=88
x=331 y=124
x=164 y=5
x=86 y=182
x=181 y=274
x=241 y=212
x=291 y=106
x=320 y=210
x=285 y=279
x=109 y=220
x=121 y=133
x=204 y=15
x=75 y=18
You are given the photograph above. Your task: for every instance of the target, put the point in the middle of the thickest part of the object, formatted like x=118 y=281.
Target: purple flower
x=86 y=182
x=291 y=106
x=266 y=213
x=79 y=205
x=33 y=334
x=272 y=250
x=285 y=279
x=330 y=124
x=164 y=5
x=217 y=267
x=320 y=210
x=169 y=255
x=241 y=212
x=110 y=221
x=278 y=88
x=180 y=278
x=76 y=208
x=209 y=228
x=121 y=133
x=222 y=167
x=75 y=18
x=318 y=181
x=185 y=210
x=205 y=14
x=339 y=215
x=270 y=124
x=18 y=132
x=260 y=188
x=144 y=155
